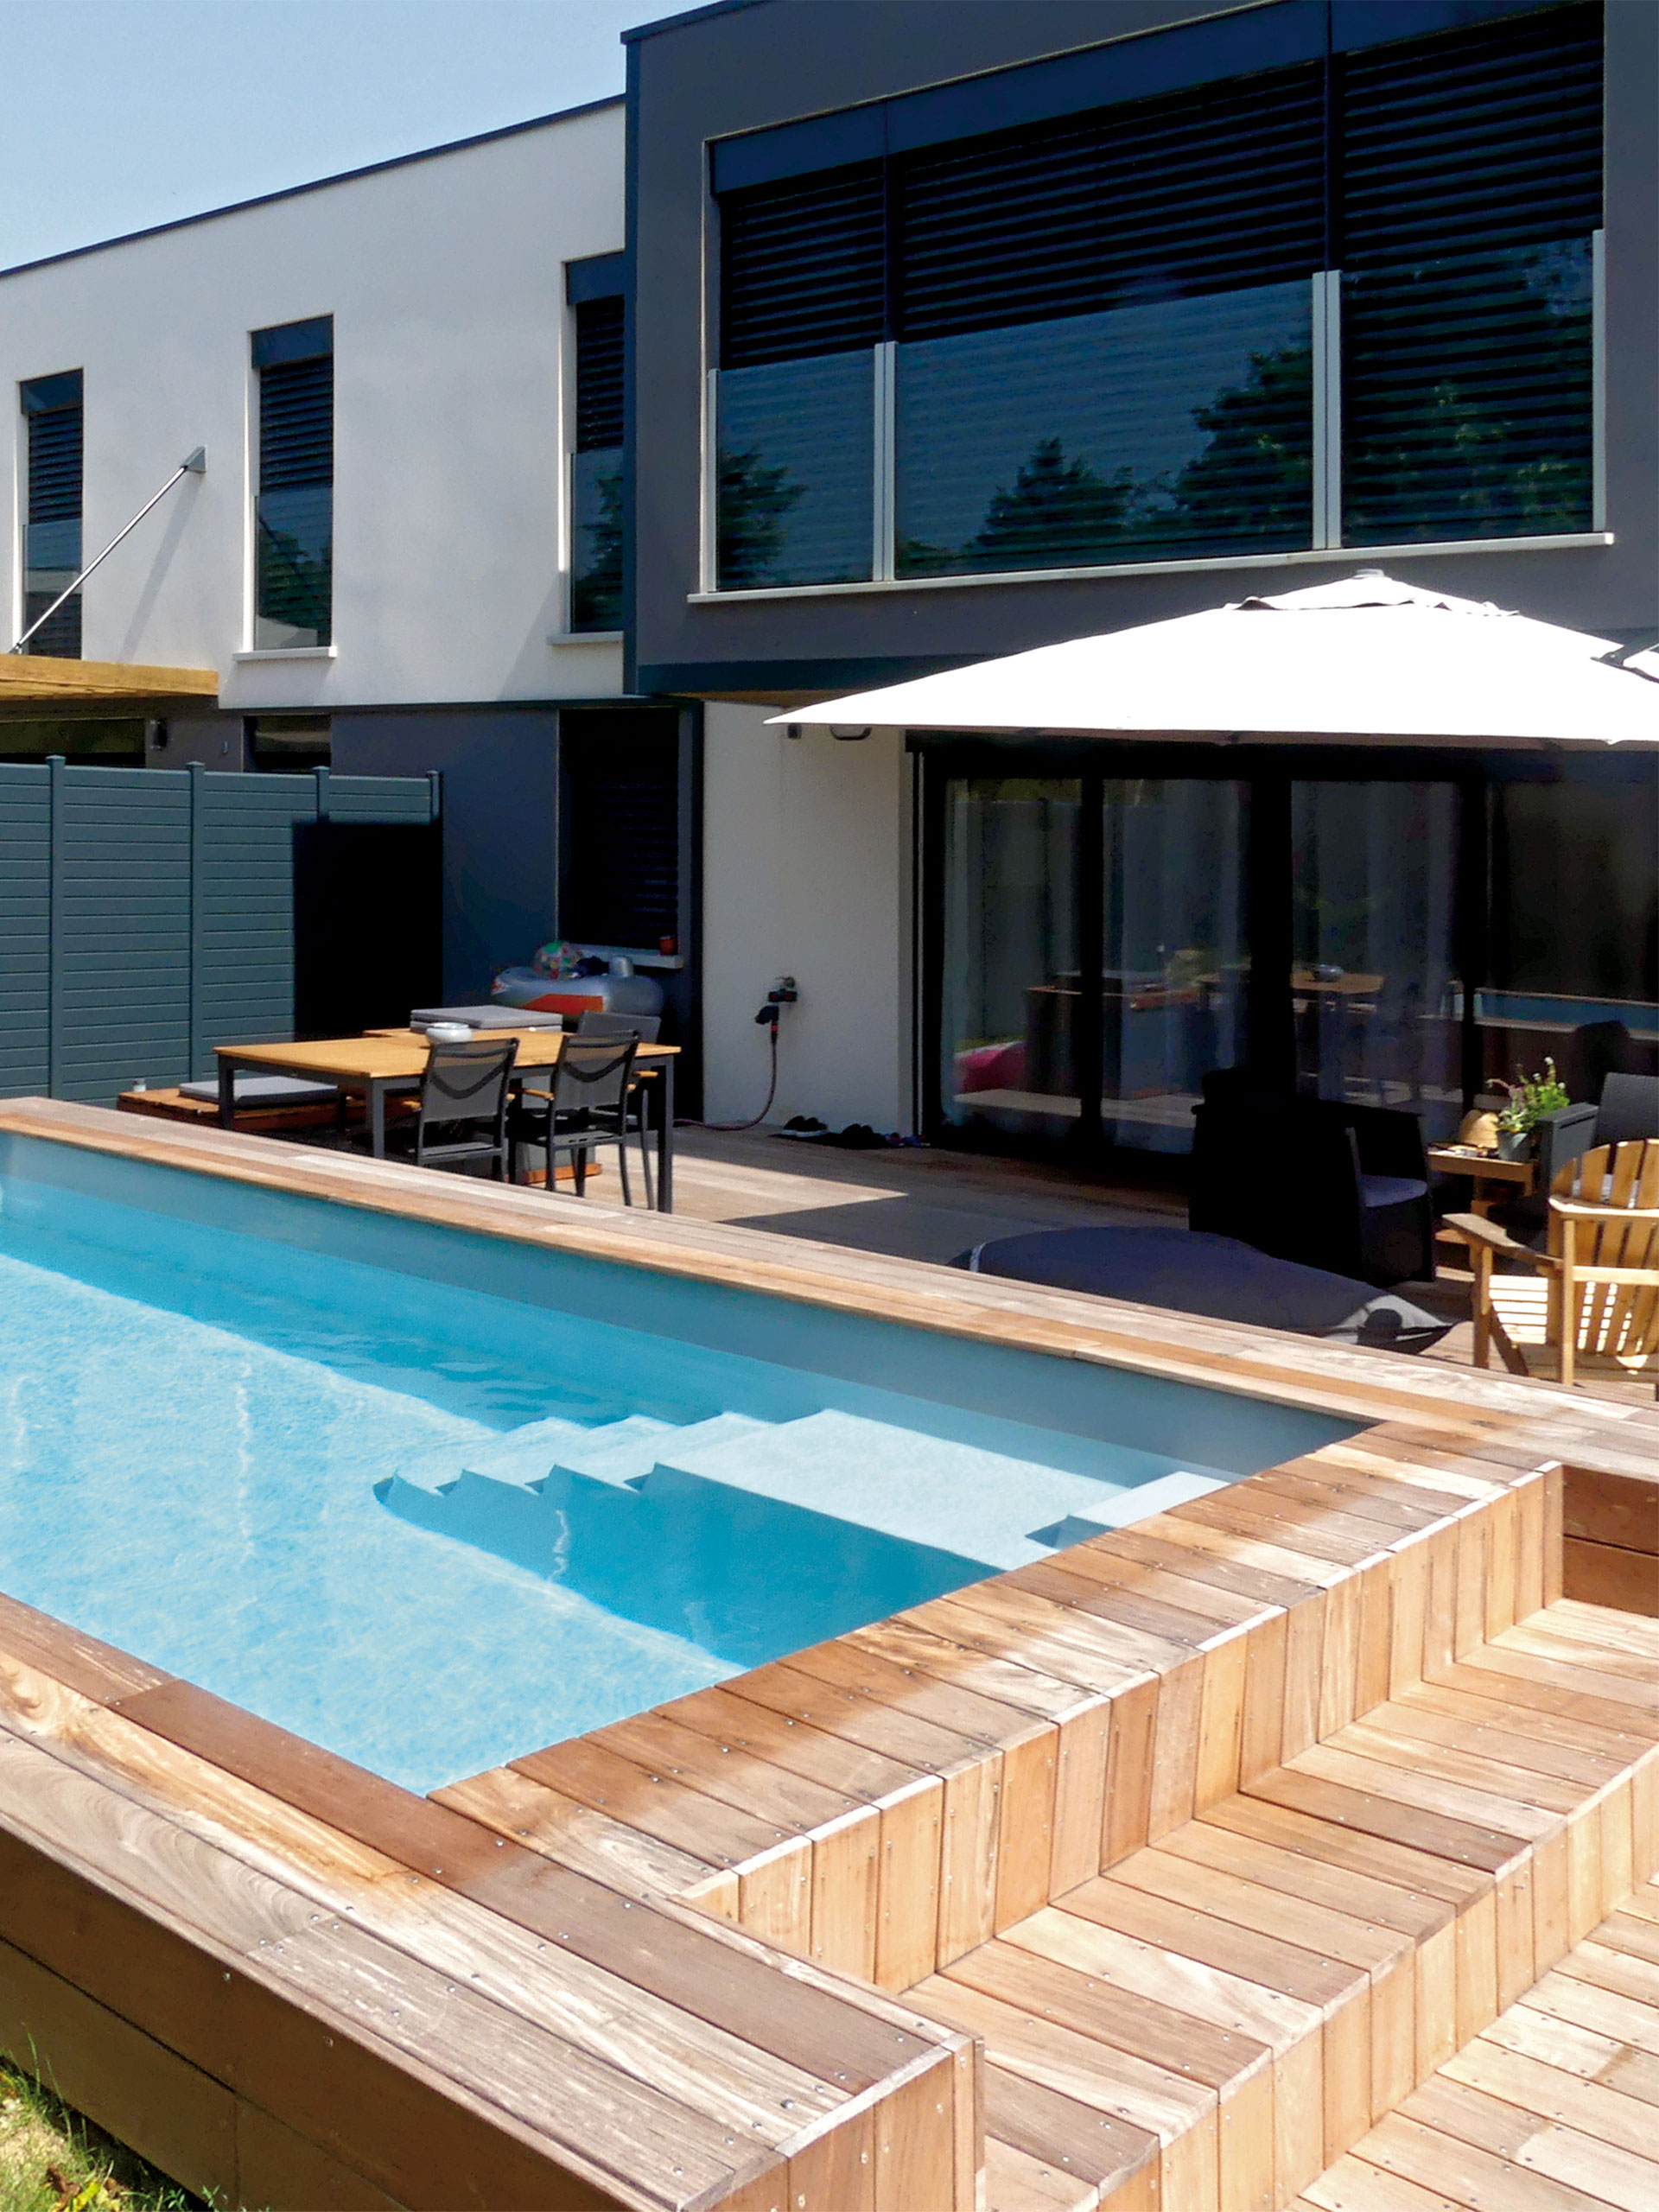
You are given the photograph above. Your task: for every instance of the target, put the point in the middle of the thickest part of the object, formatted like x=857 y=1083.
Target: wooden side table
x=1494 y=1181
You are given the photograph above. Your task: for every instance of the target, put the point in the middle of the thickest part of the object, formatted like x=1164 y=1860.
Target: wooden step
x=1260 y=1988
x=1553 y=2107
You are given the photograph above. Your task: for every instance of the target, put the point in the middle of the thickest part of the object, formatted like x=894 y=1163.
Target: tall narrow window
x=596 y=516
x=293 y=506
x=52 y=418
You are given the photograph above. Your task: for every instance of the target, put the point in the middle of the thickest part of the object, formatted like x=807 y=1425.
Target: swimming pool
x=431 y=1498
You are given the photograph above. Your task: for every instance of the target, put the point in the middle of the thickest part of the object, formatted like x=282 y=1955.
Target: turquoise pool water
x=432 y=1499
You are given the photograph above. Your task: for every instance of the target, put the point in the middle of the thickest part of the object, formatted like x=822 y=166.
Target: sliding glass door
x=1174 y=965
x=1374 y=989
x=1010 y=976
x=1092 y=962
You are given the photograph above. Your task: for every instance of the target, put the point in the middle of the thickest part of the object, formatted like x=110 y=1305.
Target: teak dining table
x=388 y=1061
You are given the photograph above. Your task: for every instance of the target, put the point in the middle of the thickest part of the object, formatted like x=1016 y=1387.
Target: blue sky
x=121 y=113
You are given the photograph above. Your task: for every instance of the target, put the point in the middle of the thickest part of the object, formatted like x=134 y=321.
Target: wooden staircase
x=1228 y=1837
x=1225 y=2014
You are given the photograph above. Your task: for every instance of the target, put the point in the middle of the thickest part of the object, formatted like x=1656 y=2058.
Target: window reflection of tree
x=1484 y=436
x=753 y=501
x=596 y=586
x=295 y=584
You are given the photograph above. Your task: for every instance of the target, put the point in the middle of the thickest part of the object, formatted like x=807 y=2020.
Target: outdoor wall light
x=847 y=733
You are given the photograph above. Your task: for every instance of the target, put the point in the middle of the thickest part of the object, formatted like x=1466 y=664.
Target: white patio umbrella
x=1368 y=658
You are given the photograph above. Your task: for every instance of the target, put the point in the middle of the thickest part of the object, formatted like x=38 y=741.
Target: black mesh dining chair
x=586 y=1108
x=465 y=1094
x=645 y=1027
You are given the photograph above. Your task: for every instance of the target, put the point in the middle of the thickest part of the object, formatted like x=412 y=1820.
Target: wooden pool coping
x=255 y=1962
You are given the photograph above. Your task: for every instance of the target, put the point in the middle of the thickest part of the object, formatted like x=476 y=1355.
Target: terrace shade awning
x=41 y=679
x=1366 y=659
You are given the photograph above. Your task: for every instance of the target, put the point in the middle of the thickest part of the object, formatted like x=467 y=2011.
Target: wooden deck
x=1159 y=1874
x=1551 y=2108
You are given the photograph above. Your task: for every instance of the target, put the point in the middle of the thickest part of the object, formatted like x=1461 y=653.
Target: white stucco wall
x=806 y=871
x=445 y=277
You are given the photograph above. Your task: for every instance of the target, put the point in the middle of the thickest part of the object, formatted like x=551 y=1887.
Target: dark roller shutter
x=802 y=267
x=1469 y=185
x=599 y=374
x=1487 y=138
x=620 y=778
x=296 y=425
x=54 y=465
x=1207 y=191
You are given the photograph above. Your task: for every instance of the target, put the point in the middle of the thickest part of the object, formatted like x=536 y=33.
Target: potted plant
x=1529 y=1100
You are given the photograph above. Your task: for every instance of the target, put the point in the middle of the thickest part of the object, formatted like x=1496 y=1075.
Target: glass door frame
x=1268 y=772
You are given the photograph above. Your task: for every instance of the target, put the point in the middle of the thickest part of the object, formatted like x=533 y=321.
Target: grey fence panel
x=146 y=915
x=121 y=930
x=381 y=799
x=25 y=931
x=243 y=973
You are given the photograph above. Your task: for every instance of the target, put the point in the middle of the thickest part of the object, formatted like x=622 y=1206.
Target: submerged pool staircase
x=751 y=1536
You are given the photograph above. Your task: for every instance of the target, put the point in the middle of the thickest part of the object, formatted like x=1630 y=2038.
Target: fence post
x=55 y=765
x=198 y=792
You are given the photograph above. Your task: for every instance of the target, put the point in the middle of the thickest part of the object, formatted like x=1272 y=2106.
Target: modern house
x=1043 y=318
x=404 y=552
x=563 y=460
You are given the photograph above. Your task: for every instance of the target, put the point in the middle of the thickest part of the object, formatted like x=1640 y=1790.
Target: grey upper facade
x=959 y=329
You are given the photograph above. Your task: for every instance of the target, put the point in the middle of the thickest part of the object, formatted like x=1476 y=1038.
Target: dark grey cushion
x=268 y=1091
x=1190 y=1271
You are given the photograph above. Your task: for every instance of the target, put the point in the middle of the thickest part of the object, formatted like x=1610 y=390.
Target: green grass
x=52 y=2160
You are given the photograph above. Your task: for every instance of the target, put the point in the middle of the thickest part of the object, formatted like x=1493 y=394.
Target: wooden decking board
x=969 y=1709
x=1114 y=1602
x=97 y=1670
x=660 y=1959
x=1095 y=2147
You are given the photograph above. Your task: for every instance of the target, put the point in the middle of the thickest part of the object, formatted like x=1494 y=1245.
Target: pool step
x=920 y=1490
x=746 y=1537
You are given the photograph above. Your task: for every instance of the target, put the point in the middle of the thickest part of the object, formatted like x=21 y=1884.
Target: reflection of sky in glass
x=813 y=420
x=1118 y=391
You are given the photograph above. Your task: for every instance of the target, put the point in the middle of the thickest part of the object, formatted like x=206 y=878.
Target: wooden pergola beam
x=24 y=677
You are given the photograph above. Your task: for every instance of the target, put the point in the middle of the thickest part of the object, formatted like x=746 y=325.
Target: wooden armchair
x=1590 y=1303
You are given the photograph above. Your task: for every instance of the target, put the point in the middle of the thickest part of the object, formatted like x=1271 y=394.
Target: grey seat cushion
x=268 y=1091
x=1191 y=1271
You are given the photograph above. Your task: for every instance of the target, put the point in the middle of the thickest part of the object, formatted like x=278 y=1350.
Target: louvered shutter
x=1212 y=190
x=599 y=374
x=296 y=425
x=620 y=774
x=1470 y=186
x=802 y=267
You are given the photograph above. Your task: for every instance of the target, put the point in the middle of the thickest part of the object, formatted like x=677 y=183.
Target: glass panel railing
x=1468 y=396
x=1174 y=427
x=796 y=447
x=294 y=556
x=597 y=528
